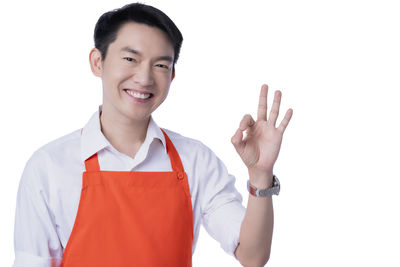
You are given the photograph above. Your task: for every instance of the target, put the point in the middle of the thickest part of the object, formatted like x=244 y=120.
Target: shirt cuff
x=23 y=259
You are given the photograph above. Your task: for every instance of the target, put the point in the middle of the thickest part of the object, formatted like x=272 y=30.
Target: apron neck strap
x=176 y=163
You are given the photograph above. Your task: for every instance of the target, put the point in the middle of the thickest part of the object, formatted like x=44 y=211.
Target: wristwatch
x=274 y=190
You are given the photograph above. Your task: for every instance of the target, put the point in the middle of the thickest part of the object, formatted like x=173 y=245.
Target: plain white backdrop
x=337 y=64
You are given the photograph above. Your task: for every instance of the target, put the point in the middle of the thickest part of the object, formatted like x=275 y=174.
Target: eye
x=129 y=59
x=162 y=66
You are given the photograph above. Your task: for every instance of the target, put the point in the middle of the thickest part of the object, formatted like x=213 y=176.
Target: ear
x=95 y=62
x=173 y=75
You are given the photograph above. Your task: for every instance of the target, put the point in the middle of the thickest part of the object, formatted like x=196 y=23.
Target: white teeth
x=138 y=95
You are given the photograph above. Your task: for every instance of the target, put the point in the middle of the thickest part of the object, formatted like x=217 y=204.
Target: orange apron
x=128 y=218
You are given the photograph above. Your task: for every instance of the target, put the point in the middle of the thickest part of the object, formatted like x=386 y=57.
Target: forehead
x=144 y=38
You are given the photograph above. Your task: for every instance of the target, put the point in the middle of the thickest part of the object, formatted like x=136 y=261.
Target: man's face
x=137 y=71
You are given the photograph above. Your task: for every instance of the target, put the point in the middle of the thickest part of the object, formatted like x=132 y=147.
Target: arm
x=36 y=242
x=256 y=230
x=259 y=151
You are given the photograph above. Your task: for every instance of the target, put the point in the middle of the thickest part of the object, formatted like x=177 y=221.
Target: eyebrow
x=133 y=51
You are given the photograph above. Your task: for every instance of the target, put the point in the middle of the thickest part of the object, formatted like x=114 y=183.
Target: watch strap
x=274 y=190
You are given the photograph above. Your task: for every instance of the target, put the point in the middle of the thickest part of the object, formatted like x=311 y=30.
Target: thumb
x=237 y=141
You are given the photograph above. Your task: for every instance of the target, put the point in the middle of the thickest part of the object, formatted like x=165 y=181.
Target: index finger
x=262 y=104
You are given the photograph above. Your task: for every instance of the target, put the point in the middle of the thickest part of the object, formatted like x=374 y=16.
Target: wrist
x=265 y=192
x=261 y=178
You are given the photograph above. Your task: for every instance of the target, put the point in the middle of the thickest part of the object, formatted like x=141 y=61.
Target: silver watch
x=274 y=190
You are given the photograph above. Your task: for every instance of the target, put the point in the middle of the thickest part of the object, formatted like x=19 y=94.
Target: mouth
x=138 y=94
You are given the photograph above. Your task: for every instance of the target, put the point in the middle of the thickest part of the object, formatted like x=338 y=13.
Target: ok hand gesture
x=260 y=148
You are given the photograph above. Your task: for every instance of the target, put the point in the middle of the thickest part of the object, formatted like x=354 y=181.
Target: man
x=121 y=191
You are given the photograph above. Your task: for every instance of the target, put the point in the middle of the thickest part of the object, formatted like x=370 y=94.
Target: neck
x=124 y=134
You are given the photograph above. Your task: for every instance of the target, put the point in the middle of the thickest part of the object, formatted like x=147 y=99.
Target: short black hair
x=109 y=23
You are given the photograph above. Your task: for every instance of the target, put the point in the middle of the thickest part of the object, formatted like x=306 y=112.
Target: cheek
x=163 y=79
x=117 y=76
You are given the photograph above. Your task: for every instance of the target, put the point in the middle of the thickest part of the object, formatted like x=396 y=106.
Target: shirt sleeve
x=222 y=209
x=36 y=243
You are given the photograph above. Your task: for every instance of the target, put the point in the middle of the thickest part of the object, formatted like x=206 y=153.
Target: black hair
x=109 y=23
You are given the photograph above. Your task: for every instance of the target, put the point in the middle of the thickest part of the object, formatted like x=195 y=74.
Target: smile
x=138 y=95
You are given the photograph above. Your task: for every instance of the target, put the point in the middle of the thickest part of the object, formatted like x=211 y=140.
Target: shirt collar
x=93 y=139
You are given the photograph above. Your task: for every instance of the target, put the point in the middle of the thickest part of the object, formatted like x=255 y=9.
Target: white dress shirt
x=50 y=188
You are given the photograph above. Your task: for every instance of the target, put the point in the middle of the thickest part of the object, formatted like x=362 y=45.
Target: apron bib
x=128 y=218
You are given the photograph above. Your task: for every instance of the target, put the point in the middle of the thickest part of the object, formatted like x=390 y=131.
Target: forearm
x=257 y=226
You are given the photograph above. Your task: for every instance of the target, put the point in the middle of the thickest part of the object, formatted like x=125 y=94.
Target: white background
x=336 y=63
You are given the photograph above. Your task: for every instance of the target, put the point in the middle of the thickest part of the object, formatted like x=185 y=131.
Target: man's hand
x=260 y=148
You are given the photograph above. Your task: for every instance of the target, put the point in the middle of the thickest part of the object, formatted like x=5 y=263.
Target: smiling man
x=121 y=191
x=136 y=73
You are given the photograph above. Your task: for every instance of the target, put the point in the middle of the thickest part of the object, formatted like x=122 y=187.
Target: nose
x=143 y=75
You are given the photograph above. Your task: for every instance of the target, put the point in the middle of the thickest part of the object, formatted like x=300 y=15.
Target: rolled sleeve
x=224 y=223
x=23 y=259
x=36 y=243
x=222 y=209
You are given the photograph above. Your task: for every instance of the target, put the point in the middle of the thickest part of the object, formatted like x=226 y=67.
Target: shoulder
x=193 y=151
x=58 y=152
x=186 y=144
x=61 y=148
